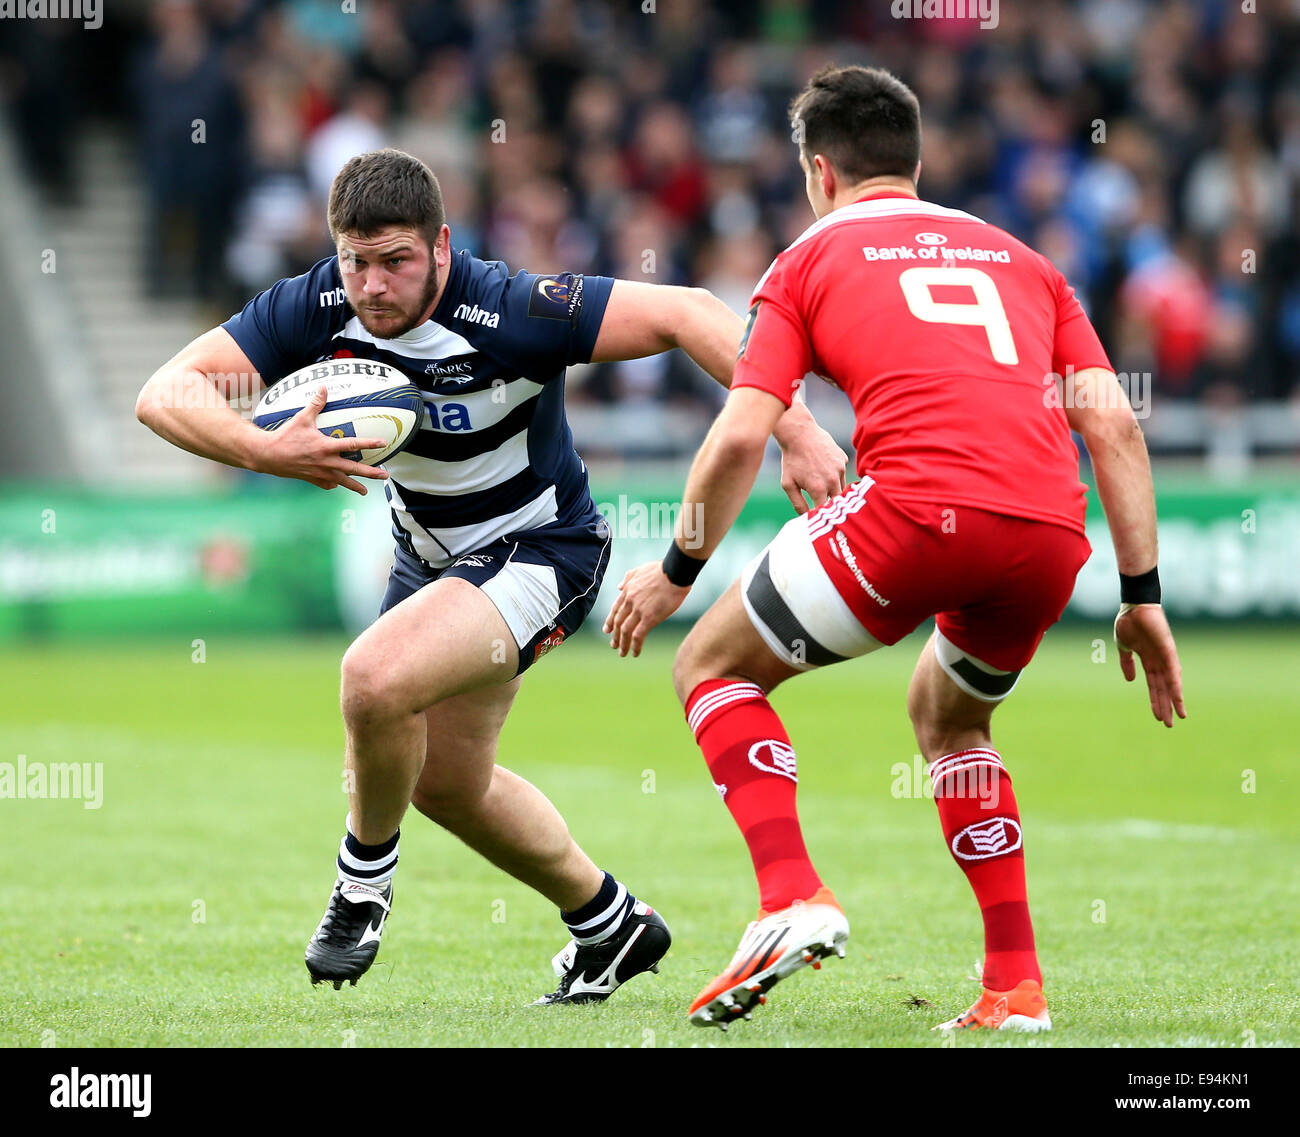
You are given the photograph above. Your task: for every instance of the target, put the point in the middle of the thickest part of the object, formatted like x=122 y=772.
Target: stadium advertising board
x=291 y=558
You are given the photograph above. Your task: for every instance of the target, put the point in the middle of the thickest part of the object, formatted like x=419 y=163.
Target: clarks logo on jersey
x=779 y=758
x=931 y=239
x=473 y=314
x=461 y=372
x=332 y=298
x=987 y=839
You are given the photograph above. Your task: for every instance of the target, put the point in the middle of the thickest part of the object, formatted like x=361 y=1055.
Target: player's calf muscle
x=450 y=785
x=444 y=803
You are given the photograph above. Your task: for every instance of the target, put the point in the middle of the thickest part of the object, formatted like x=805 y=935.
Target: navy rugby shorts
x=543 y=581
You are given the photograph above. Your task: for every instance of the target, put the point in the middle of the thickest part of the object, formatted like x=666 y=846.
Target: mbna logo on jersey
x=931 y=239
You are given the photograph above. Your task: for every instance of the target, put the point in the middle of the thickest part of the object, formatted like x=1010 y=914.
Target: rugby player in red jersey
x=968 y=362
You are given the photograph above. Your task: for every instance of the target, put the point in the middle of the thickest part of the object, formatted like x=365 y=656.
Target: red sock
x=977 y=810
x=753 y=767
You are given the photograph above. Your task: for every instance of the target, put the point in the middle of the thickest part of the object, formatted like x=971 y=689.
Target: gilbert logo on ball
x=364 y=399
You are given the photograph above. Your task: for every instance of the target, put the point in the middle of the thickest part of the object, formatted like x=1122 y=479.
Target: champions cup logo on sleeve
x=780 y=757
x=556 y=297
x=987 y=839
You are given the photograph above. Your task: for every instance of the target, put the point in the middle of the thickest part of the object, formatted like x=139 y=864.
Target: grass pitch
x=1162 y=863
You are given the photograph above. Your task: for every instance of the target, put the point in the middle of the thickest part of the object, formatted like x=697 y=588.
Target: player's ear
x=916 y=174
x=825 y=176
x=442 y=247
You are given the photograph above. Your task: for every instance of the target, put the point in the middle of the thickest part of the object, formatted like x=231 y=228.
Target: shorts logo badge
x=987 y=839
x=780 y=757
x=475 y=560
x=549 y=644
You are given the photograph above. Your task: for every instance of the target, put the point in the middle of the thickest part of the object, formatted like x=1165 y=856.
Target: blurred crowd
x=1150 y=148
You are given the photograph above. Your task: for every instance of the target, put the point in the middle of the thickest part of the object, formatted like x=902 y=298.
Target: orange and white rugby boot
x=1021 y=1008
x=774 y=946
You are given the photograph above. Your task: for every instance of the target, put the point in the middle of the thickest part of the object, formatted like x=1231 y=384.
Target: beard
x=394 y=321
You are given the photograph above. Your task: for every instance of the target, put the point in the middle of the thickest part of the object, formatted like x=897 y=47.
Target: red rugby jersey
x=945 y=333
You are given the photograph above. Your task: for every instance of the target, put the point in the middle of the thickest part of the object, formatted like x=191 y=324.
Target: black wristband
x=681 y=569
x=1141 y=589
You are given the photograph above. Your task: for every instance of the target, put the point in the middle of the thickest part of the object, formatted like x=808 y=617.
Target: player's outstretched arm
x=720 y=480
x=187 y=402
x=1098 y=408
x=644 y=319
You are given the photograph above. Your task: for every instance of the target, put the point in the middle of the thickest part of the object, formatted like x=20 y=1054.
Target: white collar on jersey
x=885 y=206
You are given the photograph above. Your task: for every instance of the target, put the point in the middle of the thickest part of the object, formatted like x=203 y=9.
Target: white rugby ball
x=366 y=399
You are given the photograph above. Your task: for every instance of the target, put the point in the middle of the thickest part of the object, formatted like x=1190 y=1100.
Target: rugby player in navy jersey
x=500 y=548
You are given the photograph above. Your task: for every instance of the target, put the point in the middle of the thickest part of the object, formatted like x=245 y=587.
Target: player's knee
x=366 y=692
x=684 y=671
x=692 y=665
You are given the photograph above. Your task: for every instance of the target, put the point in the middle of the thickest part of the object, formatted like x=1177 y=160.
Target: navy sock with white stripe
x=602 y=916
x=367 y=864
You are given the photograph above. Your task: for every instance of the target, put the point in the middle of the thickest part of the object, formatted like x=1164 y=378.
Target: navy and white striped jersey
x=495 y=454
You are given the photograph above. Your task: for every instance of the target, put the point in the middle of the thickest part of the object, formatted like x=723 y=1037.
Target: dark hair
x=382 y=188
x=866 y=121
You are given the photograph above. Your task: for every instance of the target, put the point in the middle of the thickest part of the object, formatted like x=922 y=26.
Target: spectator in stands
x=191 y=146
